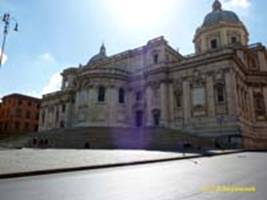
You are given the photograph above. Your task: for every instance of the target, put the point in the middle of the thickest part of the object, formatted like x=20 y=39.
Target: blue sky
x=56 y=34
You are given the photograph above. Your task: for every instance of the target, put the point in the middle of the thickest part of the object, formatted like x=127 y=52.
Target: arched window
x=121 y=95
x=101 y=94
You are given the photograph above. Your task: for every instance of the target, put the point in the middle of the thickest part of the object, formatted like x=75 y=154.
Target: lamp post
x=7 y=20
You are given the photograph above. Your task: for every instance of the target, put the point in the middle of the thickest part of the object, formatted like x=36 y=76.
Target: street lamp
x=7 y=20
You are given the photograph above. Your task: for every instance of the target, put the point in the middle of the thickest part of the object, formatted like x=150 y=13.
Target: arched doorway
x=156 y=117
x=139 y=118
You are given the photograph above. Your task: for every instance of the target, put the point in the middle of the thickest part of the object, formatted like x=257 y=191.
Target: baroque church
x=220 y=91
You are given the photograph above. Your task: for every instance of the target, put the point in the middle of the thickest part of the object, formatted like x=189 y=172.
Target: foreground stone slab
x=29 y=160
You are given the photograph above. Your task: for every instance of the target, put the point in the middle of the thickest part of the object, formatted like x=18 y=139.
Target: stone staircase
x=111 y=138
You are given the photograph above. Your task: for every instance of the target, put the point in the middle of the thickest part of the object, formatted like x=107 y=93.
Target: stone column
x=163 y=104
x=171 y=105
x=67 y=114
x=251 y=105
x=265 y=98
x=53 y=117
x=148 y=99
x=251 y=109
x=231 y=93
x=46 y=118
x=112 y=100
x=93 y=95
x=211 y=97
x=187 y=102
x=129 y=102
x=262 y=61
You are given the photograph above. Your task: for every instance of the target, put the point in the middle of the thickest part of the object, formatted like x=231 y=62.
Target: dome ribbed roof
x=218 y=15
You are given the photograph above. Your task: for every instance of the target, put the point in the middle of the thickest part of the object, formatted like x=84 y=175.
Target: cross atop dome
x=216 y=6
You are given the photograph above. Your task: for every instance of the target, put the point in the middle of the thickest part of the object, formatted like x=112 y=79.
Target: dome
x=97 y=58
x=100 y=56
x=218 y=15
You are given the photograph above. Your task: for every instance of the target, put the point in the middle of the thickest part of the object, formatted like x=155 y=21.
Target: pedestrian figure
x=34 y=141
x=46 y=142
x=87 y=145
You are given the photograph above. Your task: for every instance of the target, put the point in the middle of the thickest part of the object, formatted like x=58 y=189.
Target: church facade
x=220 y=91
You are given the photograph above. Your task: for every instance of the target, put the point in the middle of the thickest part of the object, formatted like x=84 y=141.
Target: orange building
x=19 y=114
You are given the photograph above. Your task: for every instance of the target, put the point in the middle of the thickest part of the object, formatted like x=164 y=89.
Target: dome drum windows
x=121 y=95
x=213 y=44
x=101 y=94
x=233 y=37
x=214 y=41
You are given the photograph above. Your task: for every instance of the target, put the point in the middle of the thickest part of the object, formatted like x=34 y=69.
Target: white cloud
x=4 y=57
x=47 y=57
x=243 y=4
x=53 y=84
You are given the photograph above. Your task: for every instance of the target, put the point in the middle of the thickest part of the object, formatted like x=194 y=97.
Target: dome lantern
x=216 y=6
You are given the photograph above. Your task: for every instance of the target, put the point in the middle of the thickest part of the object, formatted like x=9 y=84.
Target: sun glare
x=140 y=13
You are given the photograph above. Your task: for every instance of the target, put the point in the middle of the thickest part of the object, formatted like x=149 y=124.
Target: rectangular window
x=233 y=40
x=28 y=115
x=220 y=94
x=63 y=108
x=214 y=44
x=26 y=126
x=101 y=94
x=121 y=95
x=138 y=96
x=198 y=96
x=37 y=116
x=178 y=100
x=20 y=102
x=18 y=112
x=17 y=125
x=156 y=58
